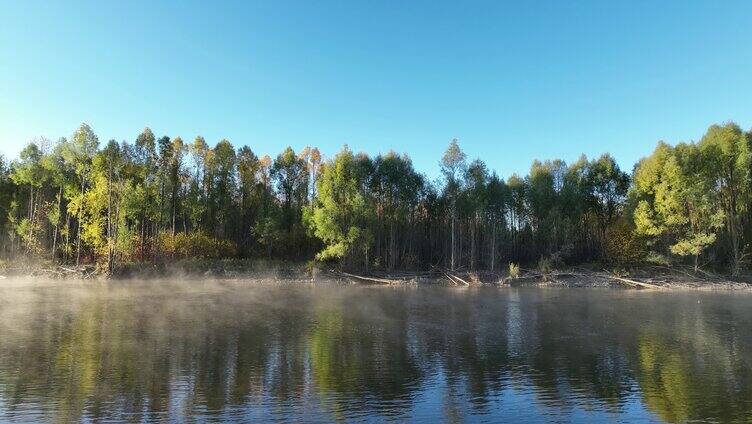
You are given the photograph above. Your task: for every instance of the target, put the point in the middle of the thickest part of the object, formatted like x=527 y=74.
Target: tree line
x=77 y=200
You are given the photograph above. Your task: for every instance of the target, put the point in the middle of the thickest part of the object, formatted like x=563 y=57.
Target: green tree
x=726 y=153
x=476 y=200
x=452 y=166
x=224 y=185
x=341 y=213
x=78 y=154
x=395 y=187
x=497 y=207
x=675 y=200
x=608 y=191
x=28 y=172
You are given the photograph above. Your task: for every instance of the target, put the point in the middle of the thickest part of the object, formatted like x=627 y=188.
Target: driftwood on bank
x=365 y=278
x=54 y=272
x=403 y=277
x=455 y=279
x=634 y=283
x=558 y=278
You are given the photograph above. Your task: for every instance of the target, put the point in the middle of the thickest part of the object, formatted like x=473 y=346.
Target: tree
x=476 y=198
x=158 y=199
x=7 y=189
x=609 y=186
x=102 y=203
x=290 y=173
x=28 y=171
x=145 y=152
x=497 y=198
x=341 y=213
x=249 y=188
x=452 y=165
x=395 y=187
x=224 y=172
x=197 y=203
x=78 y=154
x=675 y=200
x=725 y=150
x=175 y=183
x=518 y=208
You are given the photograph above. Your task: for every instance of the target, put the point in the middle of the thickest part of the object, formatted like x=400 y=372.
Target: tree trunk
x=110 y=241
x=493 y=246
x=472 y=244
x=67 y=235
x=78 y=229
x=366 y=264
x=31 y=217
x=57 y=222
x=453 y=234
x=392 y=246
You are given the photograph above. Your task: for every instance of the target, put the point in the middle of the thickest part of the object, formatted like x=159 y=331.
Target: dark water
x=238 y=352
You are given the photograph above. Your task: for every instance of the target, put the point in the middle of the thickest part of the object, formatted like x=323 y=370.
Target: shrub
x=545 y=265
x=514 y=270
x=194 y=245
x=622 y=245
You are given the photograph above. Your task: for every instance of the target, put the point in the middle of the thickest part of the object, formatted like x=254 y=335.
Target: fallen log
x=459 y=279
x=454 y=279
x=372 y=279
x=633 y=283
x=449 y=277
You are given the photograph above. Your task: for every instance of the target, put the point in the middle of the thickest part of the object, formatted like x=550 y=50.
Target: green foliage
x=679 y=198
x=154 y=199
x=341 y=212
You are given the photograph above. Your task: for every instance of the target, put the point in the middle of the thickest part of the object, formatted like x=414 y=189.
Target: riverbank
x=645 y=277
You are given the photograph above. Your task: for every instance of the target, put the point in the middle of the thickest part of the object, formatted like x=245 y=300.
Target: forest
x=156 y=200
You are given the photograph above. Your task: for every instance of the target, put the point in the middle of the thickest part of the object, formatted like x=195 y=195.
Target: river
x=237 y=351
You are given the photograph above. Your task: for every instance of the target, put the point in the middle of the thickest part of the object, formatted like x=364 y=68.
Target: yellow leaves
x=645 y=220
x=678 y=192
x=194 y=245
x=693 y=245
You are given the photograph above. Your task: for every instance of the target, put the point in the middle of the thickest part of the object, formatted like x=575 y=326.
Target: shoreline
x=642 y=277
x=639 y=278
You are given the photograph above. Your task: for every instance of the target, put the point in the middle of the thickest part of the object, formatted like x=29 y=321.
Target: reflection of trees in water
x=702 y=369
x=358 y=353
x=463 y=334
x=103 y=355
x=573 y=348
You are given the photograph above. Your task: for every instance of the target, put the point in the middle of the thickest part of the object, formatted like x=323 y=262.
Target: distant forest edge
x=160 y=200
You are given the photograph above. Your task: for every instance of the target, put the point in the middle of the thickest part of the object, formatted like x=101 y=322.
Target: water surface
x=235 y=351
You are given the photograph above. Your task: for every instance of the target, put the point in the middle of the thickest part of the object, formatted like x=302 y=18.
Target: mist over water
x=242 y=351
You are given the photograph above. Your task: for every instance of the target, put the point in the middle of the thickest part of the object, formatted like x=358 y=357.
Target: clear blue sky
x=513 y=81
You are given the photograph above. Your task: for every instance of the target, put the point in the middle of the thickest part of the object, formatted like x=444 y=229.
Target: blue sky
x=514 y=81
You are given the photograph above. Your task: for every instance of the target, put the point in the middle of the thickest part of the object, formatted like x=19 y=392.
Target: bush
x=194 y=245
x=656 y=258
x=514 y=270
x=545 y=265
x=622 y=245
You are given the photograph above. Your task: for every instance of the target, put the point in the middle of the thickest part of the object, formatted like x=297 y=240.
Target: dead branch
x=372 y=279
x=633 y=283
